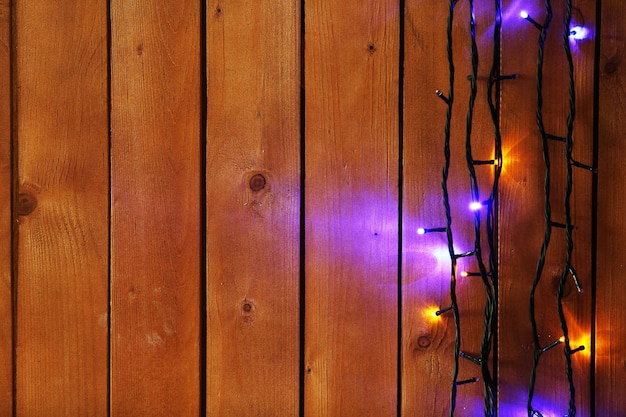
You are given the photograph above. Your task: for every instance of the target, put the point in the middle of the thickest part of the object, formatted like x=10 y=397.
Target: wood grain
x=253 y=208
x=522 y=221
x=6 y=223
x=155 y=216
x=351 y=232
x=610 y=314
x=62 y=265
x=428 y=342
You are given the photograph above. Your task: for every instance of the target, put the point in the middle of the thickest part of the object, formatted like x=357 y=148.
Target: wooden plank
x=6 y=318
x=610 y=313
x=155 y=219
x=351 y=263
x=62 y=265
x=428 y=342
x=253 y=208
x=522 y=223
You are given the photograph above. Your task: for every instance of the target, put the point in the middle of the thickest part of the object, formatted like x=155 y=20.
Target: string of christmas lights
x=491 y=287
x=568 y=269
x=488 y=270
x=454 y=307
x=538 y=349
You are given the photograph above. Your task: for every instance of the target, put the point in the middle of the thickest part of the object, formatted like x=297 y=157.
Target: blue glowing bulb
x=523 y=14
x=475 y=205
x=421 y=231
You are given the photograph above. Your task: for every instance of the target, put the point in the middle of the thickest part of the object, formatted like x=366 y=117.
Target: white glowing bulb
x=523 y=14
x=475 y=205
x=578 y=33
x=421 y=231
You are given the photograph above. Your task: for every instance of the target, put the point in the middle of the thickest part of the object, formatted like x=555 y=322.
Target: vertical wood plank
x=351 y=263
x=521 y=220
x=428 y=340
x=610 y=313
x=253 y=207
x=62 y=135
x=426 y=343
x=522 y=223
x=6 y=319
x=156 y=216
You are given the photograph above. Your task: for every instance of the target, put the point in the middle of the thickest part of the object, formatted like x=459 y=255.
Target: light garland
x=568 y=269
x=488 y=269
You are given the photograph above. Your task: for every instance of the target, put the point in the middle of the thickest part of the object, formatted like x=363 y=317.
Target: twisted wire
x=547 y=208
x=568 y=219
x=446 y=203
x=490 y=331
x=486 y=342
x=487 y=274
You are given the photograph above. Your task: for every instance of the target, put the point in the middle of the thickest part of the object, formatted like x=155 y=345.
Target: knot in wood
x=423 y=342
x=247 y=311
x=257 y=182
x=610 y=67
x=26 y=204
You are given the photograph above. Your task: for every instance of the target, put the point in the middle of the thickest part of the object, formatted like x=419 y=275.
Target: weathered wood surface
x=62 y=254
x=155 y=213
x=6 y=223
x=253 y=208
x=522 y=223
x=351 y=207
x=305 y=312
x=611 y=220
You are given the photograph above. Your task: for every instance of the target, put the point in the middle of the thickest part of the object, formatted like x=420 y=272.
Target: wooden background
x=210 y=208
